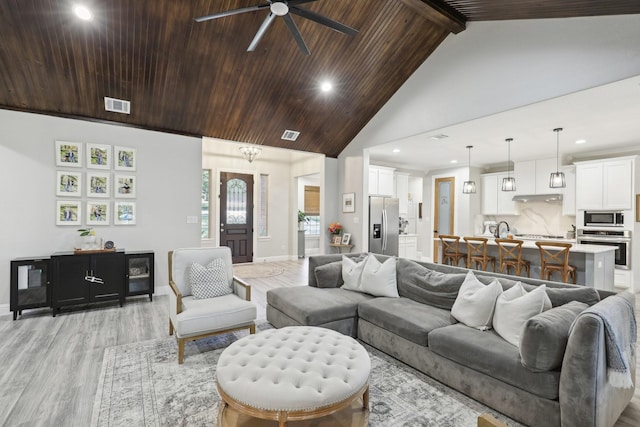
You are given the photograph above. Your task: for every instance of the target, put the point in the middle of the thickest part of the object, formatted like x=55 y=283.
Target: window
x=263 y=230
x=204 y=213
x=312 y=209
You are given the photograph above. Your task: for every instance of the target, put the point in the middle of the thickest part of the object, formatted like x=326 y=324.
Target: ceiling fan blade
x=293 y=29
x=297 y=2
x=323 y=20
x=263 y=29
x=232 y=12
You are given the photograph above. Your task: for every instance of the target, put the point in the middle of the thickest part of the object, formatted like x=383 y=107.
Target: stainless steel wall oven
x=621 y=239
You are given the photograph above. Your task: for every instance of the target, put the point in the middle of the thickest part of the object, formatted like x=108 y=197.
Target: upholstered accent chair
x=194 y=318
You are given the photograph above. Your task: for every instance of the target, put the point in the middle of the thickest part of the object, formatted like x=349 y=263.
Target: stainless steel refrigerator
x=383 y=225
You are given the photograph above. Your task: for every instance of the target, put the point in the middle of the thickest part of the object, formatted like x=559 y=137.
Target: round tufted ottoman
x=293 y=373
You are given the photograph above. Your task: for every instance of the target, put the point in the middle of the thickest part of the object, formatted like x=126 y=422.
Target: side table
x=341 y=248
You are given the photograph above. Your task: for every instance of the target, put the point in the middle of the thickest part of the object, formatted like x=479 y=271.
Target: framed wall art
x=124 y=213
x=348 y=202
x=98 y=184
x=346 y=238
x=124 y=158
x=69 y=184
x=125 y=186
x=98 y=156
x=68 y=212
x=69 y=154
x=98 y=212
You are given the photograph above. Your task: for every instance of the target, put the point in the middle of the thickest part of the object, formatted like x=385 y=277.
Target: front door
x=236 y=215
x=444 y=198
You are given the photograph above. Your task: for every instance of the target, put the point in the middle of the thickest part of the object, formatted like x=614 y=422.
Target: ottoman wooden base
x=284 y=416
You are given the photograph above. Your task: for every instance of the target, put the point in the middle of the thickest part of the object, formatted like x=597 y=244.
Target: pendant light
x=469 y=187
x=557 y=178
x=509 y=183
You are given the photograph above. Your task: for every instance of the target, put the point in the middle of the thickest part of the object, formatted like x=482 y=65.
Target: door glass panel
x=236 y=201
x=444 y=207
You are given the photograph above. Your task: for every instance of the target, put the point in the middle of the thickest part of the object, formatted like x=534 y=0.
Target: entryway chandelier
x=250 y=152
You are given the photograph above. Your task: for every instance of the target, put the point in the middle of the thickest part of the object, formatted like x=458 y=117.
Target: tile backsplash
x=535 y=218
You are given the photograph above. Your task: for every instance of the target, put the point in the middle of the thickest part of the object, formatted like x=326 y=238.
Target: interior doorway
x=443 y=210
x=236 y=215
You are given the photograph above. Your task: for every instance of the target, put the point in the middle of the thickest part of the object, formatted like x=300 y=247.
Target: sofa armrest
x=241 y=288
x=586 y=397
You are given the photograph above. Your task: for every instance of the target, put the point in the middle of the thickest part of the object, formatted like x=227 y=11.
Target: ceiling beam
x=439 y=13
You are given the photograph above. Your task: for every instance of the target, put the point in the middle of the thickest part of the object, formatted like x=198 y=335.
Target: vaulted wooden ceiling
x=198 y=79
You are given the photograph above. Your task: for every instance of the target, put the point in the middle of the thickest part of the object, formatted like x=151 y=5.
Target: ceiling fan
x=284 y=9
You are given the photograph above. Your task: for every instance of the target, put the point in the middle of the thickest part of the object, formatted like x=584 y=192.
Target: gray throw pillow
x=330 y=275
x=561 y=296
x=544 y=337
x=428 y=286
x=210 y=281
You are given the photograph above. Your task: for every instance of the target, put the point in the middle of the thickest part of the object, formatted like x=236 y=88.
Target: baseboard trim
x=4 y=310
x=275 y=258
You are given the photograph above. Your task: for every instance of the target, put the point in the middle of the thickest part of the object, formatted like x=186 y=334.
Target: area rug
x=141 y=384
x=255 y=271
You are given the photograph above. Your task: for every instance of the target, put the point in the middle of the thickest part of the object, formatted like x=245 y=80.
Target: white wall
x=168 y=190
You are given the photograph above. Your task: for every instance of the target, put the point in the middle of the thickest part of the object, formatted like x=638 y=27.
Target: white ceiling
x=607 y=117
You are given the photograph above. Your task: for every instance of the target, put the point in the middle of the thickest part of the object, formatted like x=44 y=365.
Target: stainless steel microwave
x=603 y=219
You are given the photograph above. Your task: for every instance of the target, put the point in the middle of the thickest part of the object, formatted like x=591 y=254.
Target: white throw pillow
x=352 y=273
x=475 y=302
x=514 y=307
x=379 y=279
x=210 y=281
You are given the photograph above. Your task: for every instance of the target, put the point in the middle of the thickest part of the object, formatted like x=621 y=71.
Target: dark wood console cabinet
x=68 y=278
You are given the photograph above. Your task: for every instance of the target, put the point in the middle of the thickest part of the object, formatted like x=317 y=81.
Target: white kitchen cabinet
x=402 y=192
x=569 y=192
x=532 y=177
x=494 y=200
x=606 y=184
x=408 y=246
x=381 y=181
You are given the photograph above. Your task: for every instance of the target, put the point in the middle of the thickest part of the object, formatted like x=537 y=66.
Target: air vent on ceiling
x=439 y=136
x=117 y=105
x=290 y=135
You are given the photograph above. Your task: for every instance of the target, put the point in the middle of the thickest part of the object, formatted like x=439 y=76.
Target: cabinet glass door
x=139 y=272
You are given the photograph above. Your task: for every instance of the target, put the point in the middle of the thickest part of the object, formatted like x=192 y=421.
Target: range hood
x=555 y=197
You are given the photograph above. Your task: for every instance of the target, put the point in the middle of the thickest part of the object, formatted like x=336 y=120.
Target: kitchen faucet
x=497 y=234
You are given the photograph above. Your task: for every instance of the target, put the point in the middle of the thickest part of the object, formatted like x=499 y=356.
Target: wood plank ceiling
x=197 y=78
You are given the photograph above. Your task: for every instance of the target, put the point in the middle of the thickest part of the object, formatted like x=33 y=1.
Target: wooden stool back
x=451 y=249
x=510 y=256
x=554 y=256
x=477 y=253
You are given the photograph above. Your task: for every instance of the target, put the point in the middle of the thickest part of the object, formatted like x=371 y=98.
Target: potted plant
x=302 y=219
x=87 y=238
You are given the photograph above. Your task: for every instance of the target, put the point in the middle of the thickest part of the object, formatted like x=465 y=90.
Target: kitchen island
x=595 y=264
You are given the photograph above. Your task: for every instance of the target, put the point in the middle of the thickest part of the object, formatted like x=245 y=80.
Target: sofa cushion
x=487 y=352
x=428 y=286
x=329 y=275
x=379 y=279
x=312 y=306
x=475 y=302
x=561 y=296
x=544 y=337
x=404 y=317
x=352 y=273
x=514 y=307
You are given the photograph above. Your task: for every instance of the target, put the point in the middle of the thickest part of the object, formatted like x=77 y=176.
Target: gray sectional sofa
x=418 y=329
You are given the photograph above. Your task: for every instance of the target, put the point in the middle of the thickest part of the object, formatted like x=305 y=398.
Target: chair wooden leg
x=252 y=329
x=180 y=351
x=170 y=327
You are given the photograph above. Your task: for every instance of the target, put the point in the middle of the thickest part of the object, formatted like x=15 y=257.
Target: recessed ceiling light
x=396 y=150
x=581 y=141
x=326 y=87
x=454 y=161
x=82 y=12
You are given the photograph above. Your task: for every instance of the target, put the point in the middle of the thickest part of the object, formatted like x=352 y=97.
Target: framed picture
x=346 y=238
x=124 y=213
x=349 y=202
x=69 y=154
x=125 y=158
x=98 y=156
x=336 y=239
x=98 y=184
x=68 y=212
x=69 y=184
x=125 y=186
x=98 y=212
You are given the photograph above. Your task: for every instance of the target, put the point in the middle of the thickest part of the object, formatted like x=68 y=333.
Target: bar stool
x=556 y=258
x=477 y=253
x=510 y=256
x=451 y=249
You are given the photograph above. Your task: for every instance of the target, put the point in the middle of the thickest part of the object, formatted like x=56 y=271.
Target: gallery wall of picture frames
x=96 y=184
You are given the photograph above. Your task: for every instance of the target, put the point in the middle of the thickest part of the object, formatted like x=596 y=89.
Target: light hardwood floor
x=50 y=366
